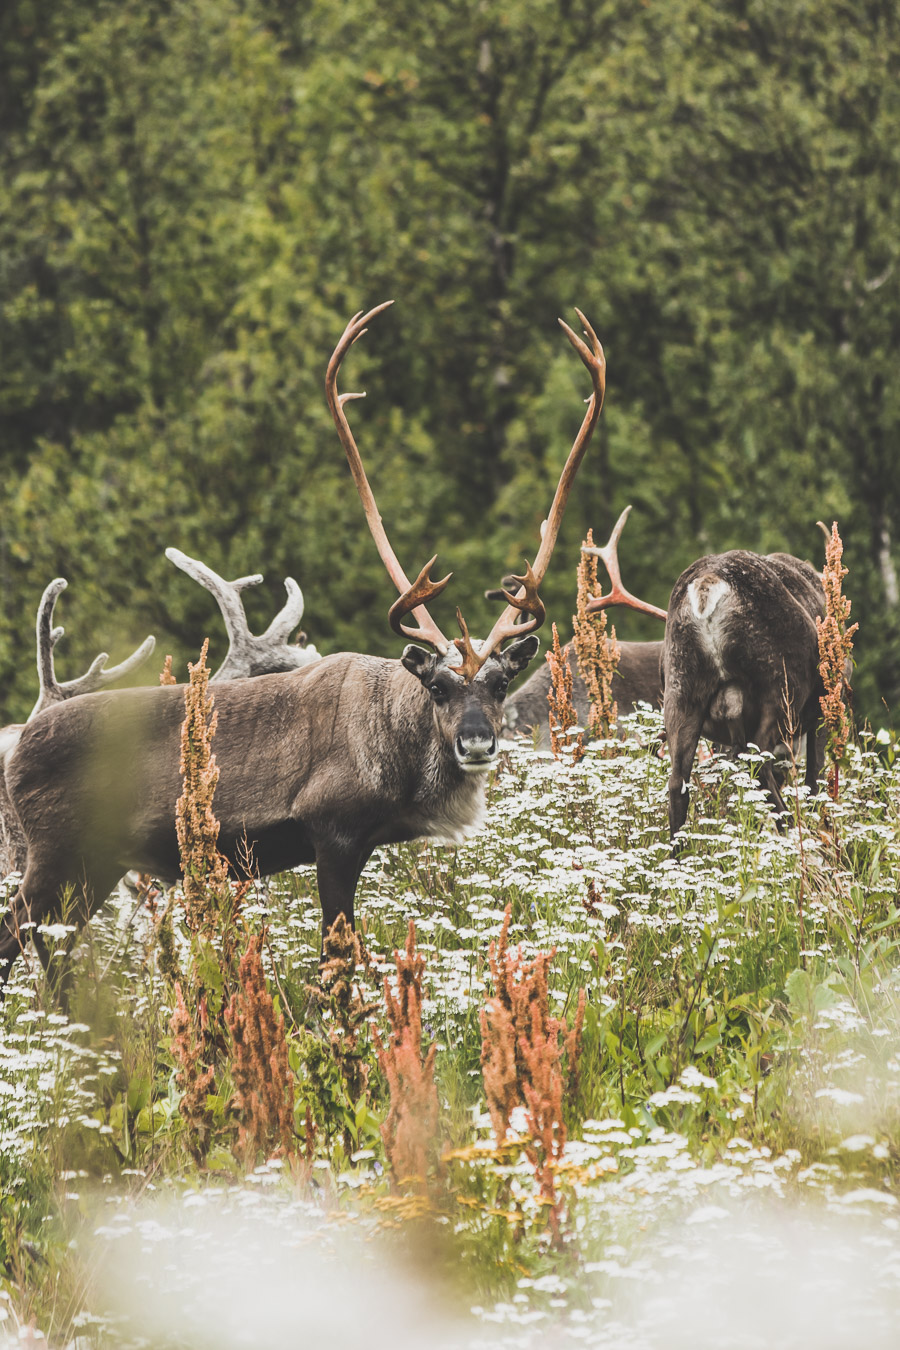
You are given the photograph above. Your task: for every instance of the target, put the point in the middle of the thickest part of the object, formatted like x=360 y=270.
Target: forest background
x=196 y=196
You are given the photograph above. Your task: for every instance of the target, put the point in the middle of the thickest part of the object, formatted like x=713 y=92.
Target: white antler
x=96 y=677
x=247 y=654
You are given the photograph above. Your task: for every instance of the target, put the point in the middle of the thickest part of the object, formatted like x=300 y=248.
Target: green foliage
x=197 y=196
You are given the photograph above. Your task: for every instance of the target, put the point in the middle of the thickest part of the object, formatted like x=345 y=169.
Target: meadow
x=725 y=1164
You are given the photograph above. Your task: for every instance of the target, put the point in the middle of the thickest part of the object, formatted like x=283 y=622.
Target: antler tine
x=527 y=598
x=610 y=557
x=289 y=616
x=47 y=638
x=471 y=659
x=97 y=676
x=413 y=595
x=422 y=590
x=247 y=654
x=226 y=593
x=94 y=678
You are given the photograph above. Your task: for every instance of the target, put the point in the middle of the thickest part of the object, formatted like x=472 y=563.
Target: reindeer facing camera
x=321 y=764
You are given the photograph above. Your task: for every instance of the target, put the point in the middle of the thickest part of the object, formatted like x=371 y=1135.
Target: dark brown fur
x=740 y=663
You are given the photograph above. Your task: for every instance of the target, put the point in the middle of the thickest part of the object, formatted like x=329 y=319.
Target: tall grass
x=727 y=1049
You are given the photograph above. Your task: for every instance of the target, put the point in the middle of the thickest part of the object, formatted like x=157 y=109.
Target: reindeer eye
x=502 y=687
x=437 y=692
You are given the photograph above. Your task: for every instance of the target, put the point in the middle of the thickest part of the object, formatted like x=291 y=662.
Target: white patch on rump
x=704 y=598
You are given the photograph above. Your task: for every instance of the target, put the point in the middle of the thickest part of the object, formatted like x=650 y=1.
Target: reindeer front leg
x=338 y=869
x=683 y=722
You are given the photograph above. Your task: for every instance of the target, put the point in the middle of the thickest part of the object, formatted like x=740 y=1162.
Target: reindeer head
x=467 y=680
x=468 y=713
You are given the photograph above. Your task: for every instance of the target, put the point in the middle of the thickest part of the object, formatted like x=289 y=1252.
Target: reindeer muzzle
x=475 y=752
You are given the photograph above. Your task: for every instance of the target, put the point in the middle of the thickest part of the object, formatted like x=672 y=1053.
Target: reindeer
x=322 y=764
x=740 y=662
x=247 y=655
x=637 y=678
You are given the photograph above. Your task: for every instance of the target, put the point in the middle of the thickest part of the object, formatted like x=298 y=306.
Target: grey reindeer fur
x=637 y=680
x=319 y=765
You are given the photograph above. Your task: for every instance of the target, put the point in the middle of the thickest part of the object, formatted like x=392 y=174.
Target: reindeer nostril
x=476 y=748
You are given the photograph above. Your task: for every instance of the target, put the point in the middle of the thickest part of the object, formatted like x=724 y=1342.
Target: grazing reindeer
x=321 y=765
x=637 y=678
x=740 y=662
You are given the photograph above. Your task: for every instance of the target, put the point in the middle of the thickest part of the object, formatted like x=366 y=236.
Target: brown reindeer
x=321 y=765
x=739 y=662
x=637 y=678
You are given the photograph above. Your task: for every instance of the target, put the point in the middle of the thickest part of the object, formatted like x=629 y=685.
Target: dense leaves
x=196 y=196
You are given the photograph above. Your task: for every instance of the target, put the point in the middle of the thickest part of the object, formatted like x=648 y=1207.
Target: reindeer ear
x=419 y=662
x=516 y=657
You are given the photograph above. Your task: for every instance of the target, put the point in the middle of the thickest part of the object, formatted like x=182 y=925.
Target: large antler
x=526 y=600
x=96 y=677
x=413 y=595
x=248 y=654
x=618 y=595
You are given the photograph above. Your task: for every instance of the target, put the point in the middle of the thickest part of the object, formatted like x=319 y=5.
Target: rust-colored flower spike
x=263 y=1084
x=166 y=676
x=597 y=653
x=835 y=646
x=205 y=870
x=522 y=1047
x=338 y=995
x=559 y=698
x=410 y=1129
x=193 y=1076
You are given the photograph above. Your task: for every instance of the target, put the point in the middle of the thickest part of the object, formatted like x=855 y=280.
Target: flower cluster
x=263 y=1084
x=562 y=710
x=522 y=1047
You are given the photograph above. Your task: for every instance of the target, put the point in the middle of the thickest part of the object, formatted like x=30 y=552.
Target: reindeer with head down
x=739 y=663
x=320 y=765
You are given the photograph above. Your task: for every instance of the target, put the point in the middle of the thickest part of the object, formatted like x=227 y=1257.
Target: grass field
x=730 y=1173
